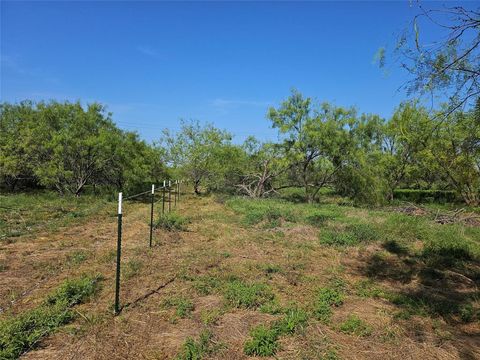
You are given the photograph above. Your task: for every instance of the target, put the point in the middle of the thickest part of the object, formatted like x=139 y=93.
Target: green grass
x=354 y=234
x=368 y=289
x=27 y=213
x=210 y=316
x=207 y=284
x=172 y=222
x=294 y=319
x=197 y=349
x=131 y=268
x=263 y=342
x=183 y=306
x=325 y=299
x=77 y=257
x=273 y=212
x=264 y=339
x=21 y=333
x=247 y=295
x=353 y=325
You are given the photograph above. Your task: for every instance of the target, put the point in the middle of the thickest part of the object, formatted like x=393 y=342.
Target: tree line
x=322 y=145
x=69 y=148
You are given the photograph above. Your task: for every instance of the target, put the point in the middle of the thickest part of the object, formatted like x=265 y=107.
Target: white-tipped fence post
x=151 y=214
x=119 y=254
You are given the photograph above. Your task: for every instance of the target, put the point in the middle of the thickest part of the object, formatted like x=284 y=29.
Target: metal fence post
x=163 y=198
x=169 y=196
x=151 y=214
x=176 y=193
x=119 y=252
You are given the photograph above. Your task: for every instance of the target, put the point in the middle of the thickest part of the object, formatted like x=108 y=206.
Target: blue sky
x=153 y=63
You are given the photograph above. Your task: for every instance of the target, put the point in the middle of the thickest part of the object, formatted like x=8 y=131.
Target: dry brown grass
x=218 y=245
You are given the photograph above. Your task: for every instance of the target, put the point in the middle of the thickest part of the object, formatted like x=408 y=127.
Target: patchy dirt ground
x=217 y=244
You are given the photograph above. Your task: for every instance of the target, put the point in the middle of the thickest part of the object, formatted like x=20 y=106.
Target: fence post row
x=151 y=214
x=119 y=228
x=119 y=250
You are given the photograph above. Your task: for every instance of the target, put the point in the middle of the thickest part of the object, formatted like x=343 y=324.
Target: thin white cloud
x=149 y=51
x=13 y=64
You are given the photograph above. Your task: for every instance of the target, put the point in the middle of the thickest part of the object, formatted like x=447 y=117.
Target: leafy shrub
x=355 y=326
x=172 y=222
x=20 y=333
x=425 y=196
x=264 y=342
x=243 y=295
x=467 y=313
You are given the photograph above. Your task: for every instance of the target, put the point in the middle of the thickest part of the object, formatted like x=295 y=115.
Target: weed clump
x=77 y=257
x=172 y=222
x=249 y=296
x=294 y=319
x=264 y=340
x=195 y=350
x=20 y=333
x=353 y=325
x=183 y=306
x=327 y=298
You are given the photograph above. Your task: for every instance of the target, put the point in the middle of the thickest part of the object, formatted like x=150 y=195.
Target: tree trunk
x=196 y=187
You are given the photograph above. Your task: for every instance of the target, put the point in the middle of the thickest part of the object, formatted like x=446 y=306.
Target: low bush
x=172 y=222
x=425 y=196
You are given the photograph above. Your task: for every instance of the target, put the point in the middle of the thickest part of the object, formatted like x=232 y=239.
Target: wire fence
x=165 y=192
